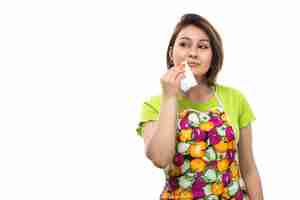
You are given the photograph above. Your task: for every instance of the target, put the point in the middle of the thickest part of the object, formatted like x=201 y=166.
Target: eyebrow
x=201 y=40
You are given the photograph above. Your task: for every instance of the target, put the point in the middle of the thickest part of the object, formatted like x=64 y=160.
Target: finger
x=183 y=64
x=172 y=73
x=169 y=73
x=180 y=66
x=179 y=78
x=176 y=74
x=180 y=74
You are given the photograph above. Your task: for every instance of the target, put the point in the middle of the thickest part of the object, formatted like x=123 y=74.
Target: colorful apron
x=206 y=165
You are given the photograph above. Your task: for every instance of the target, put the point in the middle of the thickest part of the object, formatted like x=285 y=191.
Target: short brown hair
x=214 y=39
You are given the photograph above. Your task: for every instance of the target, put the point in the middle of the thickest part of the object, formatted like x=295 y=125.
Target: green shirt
x=234 y=101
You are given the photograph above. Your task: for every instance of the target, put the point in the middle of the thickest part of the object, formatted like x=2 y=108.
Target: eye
x=203 y=47
x=182 y=44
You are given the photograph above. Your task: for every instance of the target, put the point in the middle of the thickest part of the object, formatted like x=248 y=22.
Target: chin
x=198 y=75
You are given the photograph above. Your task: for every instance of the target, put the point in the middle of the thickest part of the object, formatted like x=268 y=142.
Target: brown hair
x=214 y=39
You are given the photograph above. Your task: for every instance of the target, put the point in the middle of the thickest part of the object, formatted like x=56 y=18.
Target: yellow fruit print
x=186 y=195
x=196 y=153
x=221 y=147
x=217 y=188
x=225 y=117
x=183 y=113
x=223 y=165
x=215 y=110
x=165 y=195
x=231 y=145
x=225 y=193
x=202 y=144
x=234 y=170
x=176 y=194
x=185 y=135
x=197 y=150
x=198 y=165
x=207 y=126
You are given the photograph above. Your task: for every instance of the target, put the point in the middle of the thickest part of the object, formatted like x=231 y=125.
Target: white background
x=74 y=74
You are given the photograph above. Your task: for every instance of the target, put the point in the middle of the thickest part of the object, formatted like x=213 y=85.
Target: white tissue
x=189 y=80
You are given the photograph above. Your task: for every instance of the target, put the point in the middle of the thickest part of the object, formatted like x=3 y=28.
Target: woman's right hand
x=170 y=81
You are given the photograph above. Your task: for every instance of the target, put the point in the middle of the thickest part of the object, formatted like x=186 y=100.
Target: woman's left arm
x=249 y=170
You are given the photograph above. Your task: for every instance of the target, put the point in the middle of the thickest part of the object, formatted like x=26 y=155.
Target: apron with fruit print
x=206 y=165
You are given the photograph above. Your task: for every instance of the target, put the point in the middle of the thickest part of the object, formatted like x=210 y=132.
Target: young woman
x=201 y=138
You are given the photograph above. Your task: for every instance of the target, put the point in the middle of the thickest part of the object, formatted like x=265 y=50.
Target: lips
x=194 y=64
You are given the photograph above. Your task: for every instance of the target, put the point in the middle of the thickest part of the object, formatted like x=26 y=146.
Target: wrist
x=169 y=98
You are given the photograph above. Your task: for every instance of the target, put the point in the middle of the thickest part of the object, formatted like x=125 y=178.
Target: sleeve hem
x=247 y=122
x=140 y=128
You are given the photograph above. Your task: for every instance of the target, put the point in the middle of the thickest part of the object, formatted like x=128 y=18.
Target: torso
x=206 y=161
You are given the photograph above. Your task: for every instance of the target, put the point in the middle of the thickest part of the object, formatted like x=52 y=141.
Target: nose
x=193 y=53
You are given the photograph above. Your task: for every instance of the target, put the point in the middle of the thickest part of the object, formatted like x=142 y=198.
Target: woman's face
x=192 y=45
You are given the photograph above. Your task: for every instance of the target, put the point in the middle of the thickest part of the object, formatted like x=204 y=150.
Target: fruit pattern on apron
x=206 y=165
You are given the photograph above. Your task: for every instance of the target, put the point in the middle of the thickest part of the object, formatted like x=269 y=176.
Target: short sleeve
x=246 y=114
x=149 y=112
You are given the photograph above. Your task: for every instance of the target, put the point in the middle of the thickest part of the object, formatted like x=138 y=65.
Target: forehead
x=192 y=32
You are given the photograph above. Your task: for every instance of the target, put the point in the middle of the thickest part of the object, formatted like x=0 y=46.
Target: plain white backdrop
x=74 y=74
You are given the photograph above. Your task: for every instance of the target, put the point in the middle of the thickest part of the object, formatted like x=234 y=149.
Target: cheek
x=206 y=58
x=178 y=58
x=206 y=61
x=178 y=55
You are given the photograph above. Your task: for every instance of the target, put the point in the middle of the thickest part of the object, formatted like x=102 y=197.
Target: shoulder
x=229 y=91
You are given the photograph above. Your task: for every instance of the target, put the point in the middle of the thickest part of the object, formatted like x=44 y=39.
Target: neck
x=199 y=93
